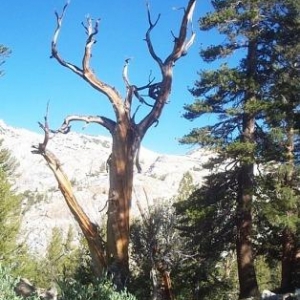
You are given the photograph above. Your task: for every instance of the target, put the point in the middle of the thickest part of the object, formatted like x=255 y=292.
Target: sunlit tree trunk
x=121 y=168
x=126 y=134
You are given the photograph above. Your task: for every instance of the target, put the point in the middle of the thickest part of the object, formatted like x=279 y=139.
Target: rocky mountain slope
x=83 y=158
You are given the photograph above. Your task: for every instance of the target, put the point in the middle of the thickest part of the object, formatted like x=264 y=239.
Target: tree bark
x=245 y=258
x=297 y=266
x=121 y=165
x=289 y=242
x=287 y=261
x=126 y=133
x=164 y=285
x=89 y=229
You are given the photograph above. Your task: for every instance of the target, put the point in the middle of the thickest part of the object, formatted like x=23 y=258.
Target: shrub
x=102 y=289
x=7 y=284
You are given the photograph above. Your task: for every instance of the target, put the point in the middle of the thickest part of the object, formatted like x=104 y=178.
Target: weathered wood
x=126 y=137
x=89 y=229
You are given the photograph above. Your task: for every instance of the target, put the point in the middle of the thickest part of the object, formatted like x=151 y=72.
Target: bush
x=7 y=284
x=102 y=289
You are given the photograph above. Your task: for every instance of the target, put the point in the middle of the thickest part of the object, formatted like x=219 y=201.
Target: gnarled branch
x=105 y=122
x=54 y=51
x=86 y=72
x=133 y=90
x=91 y=32
x=89 y=229
x=182 y=44
x=148 y=38
x=127 y=136
x=160 y=91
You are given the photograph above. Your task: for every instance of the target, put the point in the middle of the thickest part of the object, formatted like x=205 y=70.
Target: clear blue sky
x=32 y=78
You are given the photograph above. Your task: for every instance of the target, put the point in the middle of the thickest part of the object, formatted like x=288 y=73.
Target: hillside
x=83 y=158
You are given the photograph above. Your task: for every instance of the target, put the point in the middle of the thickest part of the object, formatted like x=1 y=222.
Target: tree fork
x=126 y=134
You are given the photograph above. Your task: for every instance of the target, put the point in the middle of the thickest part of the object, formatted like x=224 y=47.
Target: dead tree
x=89 y=229
x=126 y=133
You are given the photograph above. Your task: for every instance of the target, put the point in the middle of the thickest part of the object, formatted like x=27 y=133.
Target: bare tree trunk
x=121 y=167
x=126 y=135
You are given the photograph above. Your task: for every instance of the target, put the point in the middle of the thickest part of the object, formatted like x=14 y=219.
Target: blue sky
x=32 y=78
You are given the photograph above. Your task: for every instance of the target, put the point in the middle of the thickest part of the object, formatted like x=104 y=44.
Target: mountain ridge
x=83 y=159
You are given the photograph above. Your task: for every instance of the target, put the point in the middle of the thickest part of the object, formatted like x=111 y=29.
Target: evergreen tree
x=62 y=261
x=186 y=187
x=9 y=202
x=13 y=254
x=206 y=220
x=238 y=95
x=9 y=209
x=283 y=135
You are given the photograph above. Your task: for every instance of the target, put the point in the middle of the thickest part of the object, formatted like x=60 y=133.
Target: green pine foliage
x=268 y=273
x=277 y=200
x=280 y=201
x=13 y=254
x=9 y=209
x=62 y=260
x=186 y=187
x=253 y=101
x=282 y=116
x=206 y=219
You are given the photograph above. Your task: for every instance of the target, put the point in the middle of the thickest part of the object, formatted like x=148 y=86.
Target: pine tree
x=283 y=133
x=238 y=95
x=61 y=260
x=206 y=220
x=186 y=187
x=10 y=205
x=9 y=202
